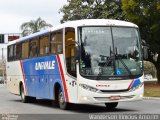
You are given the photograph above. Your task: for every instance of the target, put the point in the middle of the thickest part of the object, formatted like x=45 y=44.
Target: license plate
x=115 y=97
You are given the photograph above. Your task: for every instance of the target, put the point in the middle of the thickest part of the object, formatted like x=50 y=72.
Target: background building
x=4 y=39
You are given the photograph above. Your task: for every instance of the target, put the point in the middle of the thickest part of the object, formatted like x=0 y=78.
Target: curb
x=151 y=98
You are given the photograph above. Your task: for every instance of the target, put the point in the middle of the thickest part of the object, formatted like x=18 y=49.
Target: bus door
x=70 y=63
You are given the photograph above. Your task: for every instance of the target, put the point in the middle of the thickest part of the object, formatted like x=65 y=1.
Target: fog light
x=85 y=98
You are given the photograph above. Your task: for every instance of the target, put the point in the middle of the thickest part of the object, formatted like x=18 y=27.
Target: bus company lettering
x=47 y=65
x=102 y=85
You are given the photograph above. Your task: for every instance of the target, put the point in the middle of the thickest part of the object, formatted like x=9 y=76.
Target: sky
x=15 y=12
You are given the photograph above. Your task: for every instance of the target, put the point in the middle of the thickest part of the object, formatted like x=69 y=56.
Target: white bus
x=82 y=62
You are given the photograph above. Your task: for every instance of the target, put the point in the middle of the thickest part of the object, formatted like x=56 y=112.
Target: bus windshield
x=110 y=51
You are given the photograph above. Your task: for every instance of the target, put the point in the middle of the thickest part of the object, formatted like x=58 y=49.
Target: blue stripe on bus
x=135 y=83
x=41 y=75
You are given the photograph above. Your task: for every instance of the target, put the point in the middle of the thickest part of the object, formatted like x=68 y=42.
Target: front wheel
x=111 y=106
x=61 y=100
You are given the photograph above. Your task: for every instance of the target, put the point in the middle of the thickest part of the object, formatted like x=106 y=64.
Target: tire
x=61 y=100
x=24 y=98
x=111 y=106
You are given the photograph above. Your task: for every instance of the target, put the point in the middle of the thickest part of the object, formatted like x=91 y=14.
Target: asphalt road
x=45 y=110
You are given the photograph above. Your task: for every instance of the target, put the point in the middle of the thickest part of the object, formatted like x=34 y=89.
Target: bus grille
x=124 y=90
x=108 y=98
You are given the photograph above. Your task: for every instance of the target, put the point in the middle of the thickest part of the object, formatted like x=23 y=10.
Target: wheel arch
x=56 y=88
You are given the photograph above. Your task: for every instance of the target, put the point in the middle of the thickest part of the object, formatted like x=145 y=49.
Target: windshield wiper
x=118 y=57
x=114 y=57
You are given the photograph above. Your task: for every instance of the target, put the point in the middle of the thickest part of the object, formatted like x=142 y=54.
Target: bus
x=90 y=61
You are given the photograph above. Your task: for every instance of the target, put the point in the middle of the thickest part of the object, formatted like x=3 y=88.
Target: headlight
x=136 y=87
x=86 y=87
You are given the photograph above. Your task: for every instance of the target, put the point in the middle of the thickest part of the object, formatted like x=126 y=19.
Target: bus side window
x=14 y=52
x=34 y=49
x=10 y=53
x=57 y=42
x=18 y=51
x=44 y=45
x=70 y=51
x=25 y=50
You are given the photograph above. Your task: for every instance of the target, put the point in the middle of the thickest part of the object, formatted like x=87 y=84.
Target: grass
x=151 y=89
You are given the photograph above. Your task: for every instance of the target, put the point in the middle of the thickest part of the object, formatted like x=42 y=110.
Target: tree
x=146 y=14
x=33 y=26
x=92 y=9
x=149 y=68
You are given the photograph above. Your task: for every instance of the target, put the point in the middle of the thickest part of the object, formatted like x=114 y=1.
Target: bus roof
x=29 y=36
x=98 y=22
x=78 y=23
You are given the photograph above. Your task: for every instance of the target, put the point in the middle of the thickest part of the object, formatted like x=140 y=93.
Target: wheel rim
x=61 y=98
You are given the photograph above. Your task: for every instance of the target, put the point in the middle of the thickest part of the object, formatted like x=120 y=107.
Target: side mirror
x=145 y=52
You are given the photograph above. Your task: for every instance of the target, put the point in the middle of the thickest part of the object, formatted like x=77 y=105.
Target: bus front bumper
x=86 y=96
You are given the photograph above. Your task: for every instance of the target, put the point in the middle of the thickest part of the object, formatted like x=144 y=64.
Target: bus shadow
x=78 y=108
x=40 y=102
x=83 y=108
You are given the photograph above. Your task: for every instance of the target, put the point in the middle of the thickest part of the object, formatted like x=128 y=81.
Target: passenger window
x=14 y=52
x=34 y=48
x=25 y=50
x=18 y=51
x=57 y=42
x=44 y=45
x=10 y=53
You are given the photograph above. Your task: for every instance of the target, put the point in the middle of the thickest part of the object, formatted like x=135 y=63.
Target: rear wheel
x=25 y=98
x=111 y=106
x=61 y=100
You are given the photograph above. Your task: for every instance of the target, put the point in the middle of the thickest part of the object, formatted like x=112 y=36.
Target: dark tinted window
x=44 y=45
x=34 y=47
x=25 y=50
x=57 y=42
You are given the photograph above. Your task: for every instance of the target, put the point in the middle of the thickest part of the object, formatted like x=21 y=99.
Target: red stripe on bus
x=24 y=77
x=130 y=84
x=63 y=79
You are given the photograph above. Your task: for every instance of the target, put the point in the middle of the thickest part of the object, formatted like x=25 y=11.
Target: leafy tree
x=146 y=14
x=92 y=9
x=149 y=68
x=33 y=26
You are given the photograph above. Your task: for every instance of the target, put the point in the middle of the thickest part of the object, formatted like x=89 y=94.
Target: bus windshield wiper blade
x=123 y=63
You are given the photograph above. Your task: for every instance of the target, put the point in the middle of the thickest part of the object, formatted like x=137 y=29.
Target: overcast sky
x=14 y=12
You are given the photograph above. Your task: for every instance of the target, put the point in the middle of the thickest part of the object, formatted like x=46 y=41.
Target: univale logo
x=46 y=65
